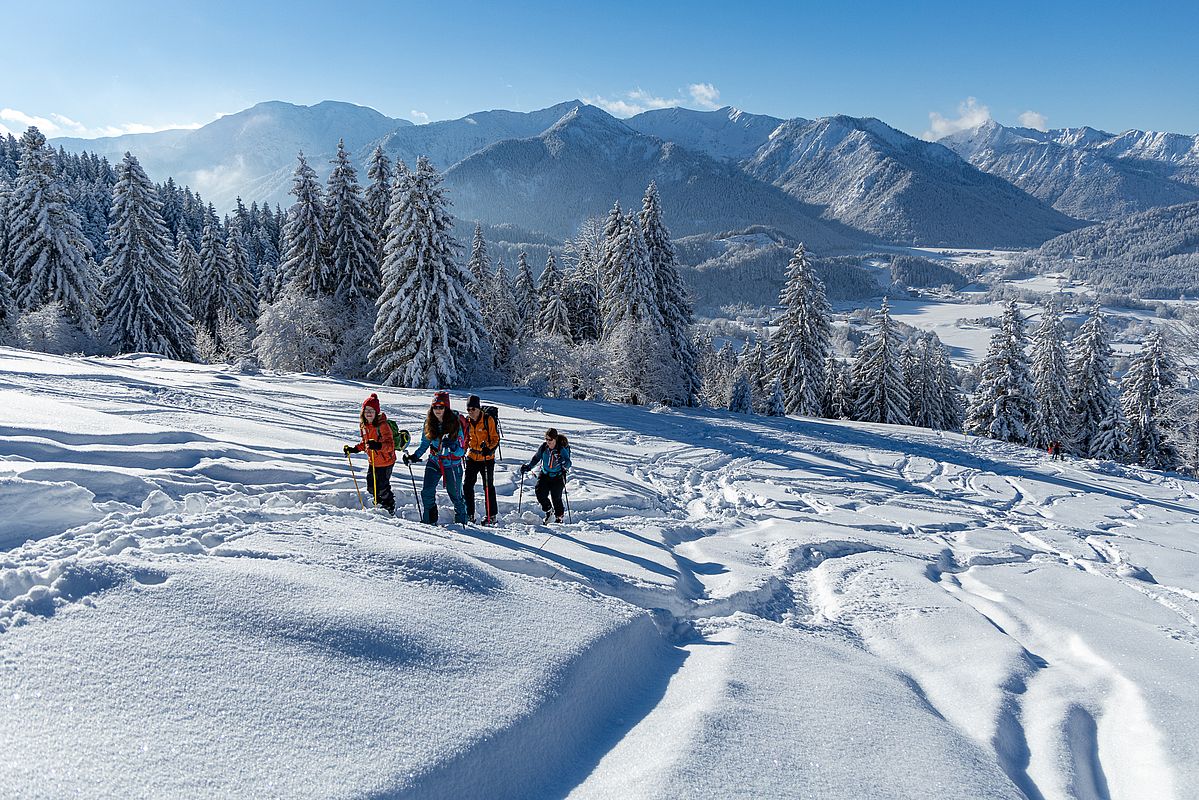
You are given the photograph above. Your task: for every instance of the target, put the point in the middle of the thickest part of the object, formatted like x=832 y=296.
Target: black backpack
x=494 y=413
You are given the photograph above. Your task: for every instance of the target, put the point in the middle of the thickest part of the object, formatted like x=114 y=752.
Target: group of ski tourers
x=449 y=439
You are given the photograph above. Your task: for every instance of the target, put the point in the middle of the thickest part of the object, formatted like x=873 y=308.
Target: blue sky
x=89 y=68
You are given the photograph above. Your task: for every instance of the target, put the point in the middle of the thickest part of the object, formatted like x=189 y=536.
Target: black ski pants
x=551 y=486
x=378 y=484
x=475 y=469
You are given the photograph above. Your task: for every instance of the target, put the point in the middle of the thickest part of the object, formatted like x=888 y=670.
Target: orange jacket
x=483 y=433
x=385 y=456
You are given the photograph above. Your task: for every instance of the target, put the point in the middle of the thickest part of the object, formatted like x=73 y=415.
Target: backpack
x=494 y=413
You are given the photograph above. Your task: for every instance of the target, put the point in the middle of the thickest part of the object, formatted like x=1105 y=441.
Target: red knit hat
x=371 y=402
x=441 y=399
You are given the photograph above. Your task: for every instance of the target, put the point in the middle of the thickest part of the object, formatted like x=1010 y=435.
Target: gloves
x=524 y=469
x=486 y=451
x=349 y=448
x=375 y=444
x=411 y=459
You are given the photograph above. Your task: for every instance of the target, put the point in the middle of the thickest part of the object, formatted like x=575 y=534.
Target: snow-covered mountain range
x=1087 y=173
x=836 y=182
x=875 y=178
x=193 y=603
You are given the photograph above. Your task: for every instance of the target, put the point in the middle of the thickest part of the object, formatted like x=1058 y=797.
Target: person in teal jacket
x=554 y=455
x=444 y=437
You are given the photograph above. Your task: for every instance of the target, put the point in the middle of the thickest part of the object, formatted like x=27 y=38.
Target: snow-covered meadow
x=192 y=604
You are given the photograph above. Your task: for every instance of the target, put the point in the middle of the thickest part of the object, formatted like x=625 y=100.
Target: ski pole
x=350 y=461
x=419 y=508
x=566 y=492
x=521 y=499
x=374 y=477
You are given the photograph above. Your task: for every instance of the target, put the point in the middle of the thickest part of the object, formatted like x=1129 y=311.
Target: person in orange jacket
x=380 y=447
x=483 y=437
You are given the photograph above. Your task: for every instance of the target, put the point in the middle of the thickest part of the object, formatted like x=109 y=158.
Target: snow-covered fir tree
x=378 y=198
x=268 y=267
x=741 y=395
x=236 y=292
x=214 y=269
x=1002 y=407
x=501 y=319
x=191 y=285
x=428 y=323
x=674 y=305
x=843 y=394
x=641 y=367
x=553 y=318
x=753 y=362
x=303 y=260
x=1051 y=382
x=612 y=263
x=1091 y=390
x=350 y=246
x=946 y=396
x=8 y=310
x=144 y=307
x=5 y=253
x=50 y=255
x=1110 y=441
x=480 y=263
x=828 y=392
x=1144 y=393
x=879 y=392
x=800 y=345
x=580 y=290
x=776 y=406
x=525 y=291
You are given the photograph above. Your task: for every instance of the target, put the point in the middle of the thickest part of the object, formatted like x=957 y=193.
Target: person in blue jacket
x=554 y=455
x=444 y=436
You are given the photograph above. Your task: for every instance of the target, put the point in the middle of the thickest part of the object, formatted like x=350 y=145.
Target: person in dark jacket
x=482 y=439
x=379 y=445
x=554 y=455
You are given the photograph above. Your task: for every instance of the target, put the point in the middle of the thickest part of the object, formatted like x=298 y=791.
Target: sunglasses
x=439 y=407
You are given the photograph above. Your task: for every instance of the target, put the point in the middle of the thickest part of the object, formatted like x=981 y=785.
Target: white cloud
x=970 y=116
x=419 y=117
x=704 y=95
x=61 y=125
x=634 y=101
x=1033 y=119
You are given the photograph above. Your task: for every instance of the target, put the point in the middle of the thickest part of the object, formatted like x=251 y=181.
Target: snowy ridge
x=1085 y=172
x=742 y=606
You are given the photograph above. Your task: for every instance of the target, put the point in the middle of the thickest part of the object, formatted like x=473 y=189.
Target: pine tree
x=8 y=310
x=636 y=300
x=303 y=253
x=639 y=348
x=1110 y=439
x=214 y=271
x=144 y=310
x=525 y=291
x=1051 y=382
x=501 y=318
x=828 y=394
x=880 y=395
x=741 y=397
x=801 y=344
x=775 y=404
x=843 y=394
x=1091 y=392
x=378 y=199
x=191 y=284
x=947 y=388
x=268 y=267
x=428 y=320
x=1146 y=386
x=351 y=249
x=235 y=293
x=51 y=257
x=612 y=264
x=582 y=299
x=1003 y=407
x=553 y=318
x=674 y=306
x=753 y=361
x=480 y=264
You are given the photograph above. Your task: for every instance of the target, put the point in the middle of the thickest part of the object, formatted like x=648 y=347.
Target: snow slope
x=193 y=605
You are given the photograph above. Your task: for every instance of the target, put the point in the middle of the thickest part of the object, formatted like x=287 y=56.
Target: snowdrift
x=192 y=604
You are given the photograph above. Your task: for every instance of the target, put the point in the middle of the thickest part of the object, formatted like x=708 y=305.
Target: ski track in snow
x=1035 y=624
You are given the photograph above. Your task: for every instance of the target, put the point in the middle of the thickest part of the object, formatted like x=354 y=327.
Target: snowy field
x=193 y=605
